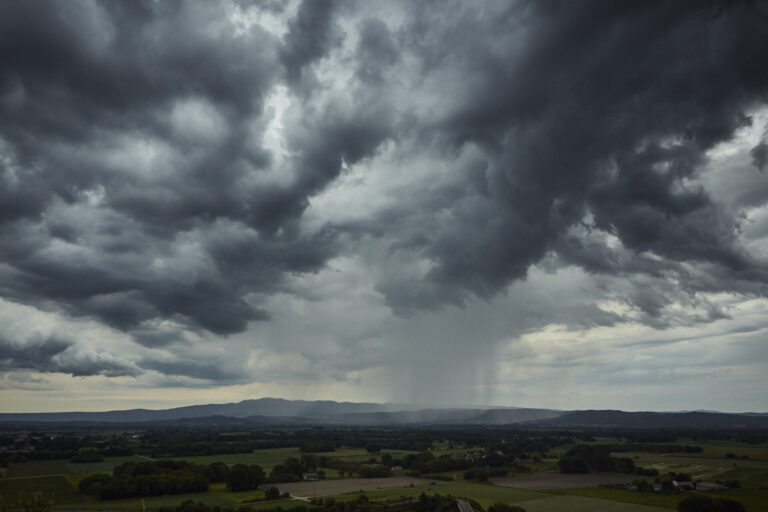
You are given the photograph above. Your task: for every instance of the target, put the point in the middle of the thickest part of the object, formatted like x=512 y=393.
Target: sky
x=537 y=204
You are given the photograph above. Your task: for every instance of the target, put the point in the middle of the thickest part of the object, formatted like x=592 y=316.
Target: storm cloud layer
x=180 y=175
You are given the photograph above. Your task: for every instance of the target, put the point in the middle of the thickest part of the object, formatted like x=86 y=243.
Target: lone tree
x=244 y=478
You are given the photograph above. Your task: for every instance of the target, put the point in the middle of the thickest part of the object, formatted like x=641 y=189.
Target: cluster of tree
x=137 y=479
x=200 y=448
x=245 y=478
x=701 y=503
x=426 y=462
x=482 y=475
x=585 y=458
x=292 y=469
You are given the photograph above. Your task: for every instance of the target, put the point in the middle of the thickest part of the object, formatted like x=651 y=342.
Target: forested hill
x=612 y=418
x=275 y=411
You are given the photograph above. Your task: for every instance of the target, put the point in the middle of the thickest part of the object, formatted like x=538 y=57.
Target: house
x=709 y=486
x=310 y=476
x=396 y=468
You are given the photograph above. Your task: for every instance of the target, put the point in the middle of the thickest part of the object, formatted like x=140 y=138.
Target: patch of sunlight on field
x=580 y=504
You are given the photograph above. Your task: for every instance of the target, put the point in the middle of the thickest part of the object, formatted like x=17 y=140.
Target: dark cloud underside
x=136 y=187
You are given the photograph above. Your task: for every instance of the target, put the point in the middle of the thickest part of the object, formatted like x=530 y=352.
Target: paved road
x=464 y=506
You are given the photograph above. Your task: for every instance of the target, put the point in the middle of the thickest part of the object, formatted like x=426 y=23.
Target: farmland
x=521 y=468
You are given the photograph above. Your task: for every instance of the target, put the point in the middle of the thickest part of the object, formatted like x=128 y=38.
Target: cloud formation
x=179 y=172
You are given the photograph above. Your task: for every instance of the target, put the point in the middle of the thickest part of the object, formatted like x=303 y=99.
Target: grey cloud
x=760 y=156
x=311 y=35
x=144 y=118
x=135 y=187
x=51 y=354
x=608 y=111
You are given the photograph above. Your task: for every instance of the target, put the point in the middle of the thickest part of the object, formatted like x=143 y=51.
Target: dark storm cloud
x=311 y=35
x=146 y=118
x=606 y=109
x=760 y=155
x=136 y=186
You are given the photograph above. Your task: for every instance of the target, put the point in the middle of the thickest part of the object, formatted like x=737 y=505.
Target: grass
x=106 y=466
x=19 y=490
x=747 y=477
x=624 y=496
x=38 y=468
x=133 y=504
x=581 y=504
x=486 y=494
x=755 y=500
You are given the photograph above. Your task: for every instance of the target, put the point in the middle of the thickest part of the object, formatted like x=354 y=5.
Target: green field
x=487 y=494
x=580 y=504
x=38 y=468
x=106 y=466
x=747 y=477
x=624 y=496
x=57 y=487
x=755 y=500
x=131 y=505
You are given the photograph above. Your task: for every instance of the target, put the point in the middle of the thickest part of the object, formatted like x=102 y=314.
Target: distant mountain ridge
x=278 y=411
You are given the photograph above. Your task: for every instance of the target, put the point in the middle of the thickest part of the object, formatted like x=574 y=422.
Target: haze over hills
x=276 y=411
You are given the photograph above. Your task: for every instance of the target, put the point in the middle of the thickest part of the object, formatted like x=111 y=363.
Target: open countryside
x=486 y=466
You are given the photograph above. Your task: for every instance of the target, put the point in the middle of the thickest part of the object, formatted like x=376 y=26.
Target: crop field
x=541 y=481
x=579 y=504
x=18 y=490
